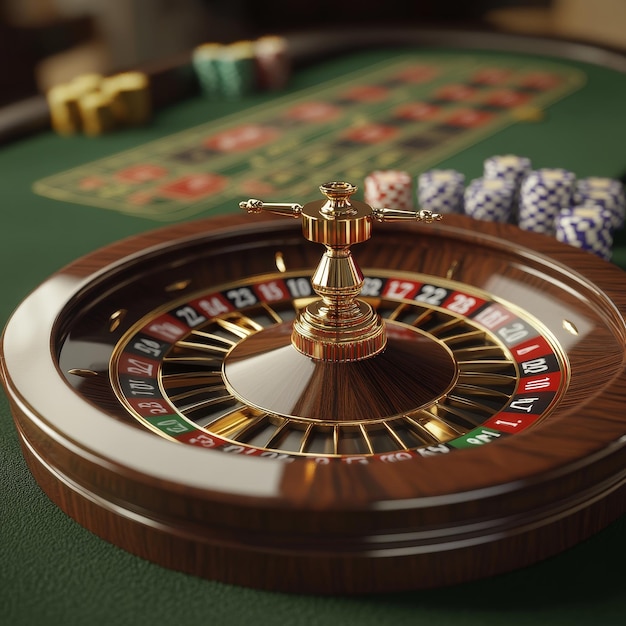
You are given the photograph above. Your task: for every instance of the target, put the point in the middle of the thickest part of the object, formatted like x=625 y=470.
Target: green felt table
x=53 y=570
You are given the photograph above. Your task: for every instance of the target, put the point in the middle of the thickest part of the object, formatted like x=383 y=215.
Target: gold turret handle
x=399 y=215
x=285 y=209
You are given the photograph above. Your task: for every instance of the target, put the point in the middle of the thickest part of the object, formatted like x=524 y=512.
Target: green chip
x=205 y=62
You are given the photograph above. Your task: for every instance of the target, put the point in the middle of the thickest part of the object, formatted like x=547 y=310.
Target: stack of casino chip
x=231 y=71
x=94 y=104
x=392 y=189
x=587 y=227
x=129 y=94
x=96 y=114
x=236 y=68
x=441 y=191
x=225 y=71
x=70 y=102
x=607 y=193
x=510 y=167
x=490 y=199
x=204 y=60
x=63 y=106
x=272 y=62
x=543 y=193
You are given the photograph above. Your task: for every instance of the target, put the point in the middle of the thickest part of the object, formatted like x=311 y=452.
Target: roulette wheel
x=430 y=403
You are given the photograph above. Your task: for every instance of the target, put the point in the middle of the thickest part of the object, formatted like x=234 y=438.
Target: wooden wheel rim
x=257 y=509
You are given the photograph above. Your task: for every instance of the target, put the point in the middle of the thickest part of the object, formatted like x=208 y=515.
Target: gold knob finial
x=338 y=194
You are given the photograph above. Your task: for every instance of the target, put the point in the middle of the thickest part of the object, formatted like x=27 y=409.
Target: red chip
x=391 y=189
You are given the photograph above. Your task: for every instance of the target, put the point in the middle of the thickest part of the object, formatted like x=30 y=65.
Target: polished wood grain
x=361 y=527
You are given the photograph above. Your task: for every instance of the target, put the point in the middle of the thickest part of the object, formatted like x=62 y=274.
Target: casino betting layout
x=358 y=331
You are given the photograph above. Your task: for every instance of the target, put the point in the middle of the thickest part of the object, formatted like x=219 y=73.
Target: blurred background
x=46 y=42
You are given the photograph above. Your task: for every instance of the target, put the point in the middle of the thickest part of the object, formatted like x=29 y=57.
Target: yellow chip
x=129 y=93
x=96 y=113
x=64 y=113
